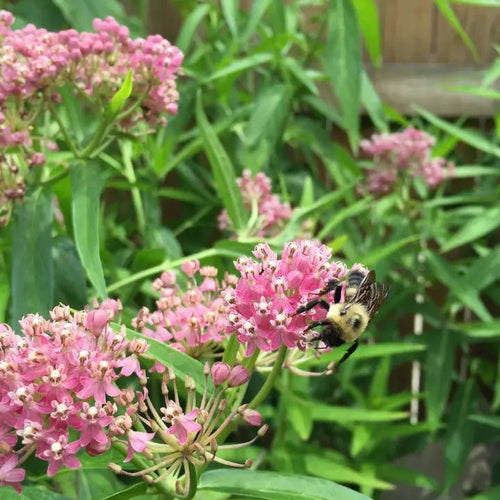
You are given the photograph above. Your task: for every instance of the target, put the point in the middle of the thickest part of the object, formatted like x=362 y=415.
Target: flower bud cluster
x=193 y=321
x=256 y=194
x=263 y=303
x=58 y=391
x=408 y=151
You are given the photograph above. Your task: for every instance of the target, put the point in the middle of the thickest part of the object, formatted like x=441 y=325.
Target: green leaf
x=31 y=493
x=475 y=228
x=476 y=330
x=484 y=3
x=491 y=420
x=328 y=413
x=181 y=363
x=190 y=26
x=32 y=265
x=372 y=103
x=345 y=213
x=324 y=467
x=369 y=21
x=130 y=492
x=240 y=65
x=268 y=119
x=118 y=101
x=80 y=15
x=398 y=474
x=342 y=63
x=230 y=11
x=86 y=185
x=475 y=171
x=42 y=13
x=222 y=169
x=379 y=253
x=274 y=486
x=439 y=366
x=464 y=290
x=468 y=136
x=458 y=434
x=300 y=74
x=69 y=287
x=494 y=493
x=259 y=8
x=447 y=11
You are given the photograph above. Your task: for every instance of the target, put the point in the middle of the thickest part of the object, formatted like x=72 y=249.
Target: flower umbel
x=408 y=151
x=186 y=434
x=193 y=321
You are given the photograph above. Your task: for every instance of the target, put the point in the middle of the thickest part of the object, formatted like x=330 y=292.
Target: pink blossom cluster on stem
x=272 y=214
x=35 y=63
x=194 y=320
x=404 y=153
x=59 y=380
x=262 y=305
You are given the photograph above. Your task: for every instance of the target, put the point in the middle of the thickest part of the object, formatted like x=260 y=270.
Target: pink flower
x=180 y=424
x=58 y=453
x=193 y=321
x=262 y=305
x=403 y=153
x=256 y=193
x=9 y=474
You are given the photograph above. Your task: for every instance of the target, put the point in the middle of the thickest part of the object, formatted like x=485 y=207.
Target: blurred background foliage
x=280 y=88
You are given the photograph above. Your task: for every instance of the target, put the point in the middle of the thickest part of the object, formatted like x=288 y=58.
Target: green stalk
x=129 y=174
x=269 y=383
x=231 y=350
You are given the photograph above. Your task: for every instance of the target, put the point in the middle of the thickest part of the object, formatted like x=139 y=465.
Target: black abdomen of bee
x=355 y=278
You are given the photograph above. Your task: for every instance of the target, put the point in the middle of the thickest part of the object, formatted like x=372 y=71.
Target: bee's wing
x=370 y=294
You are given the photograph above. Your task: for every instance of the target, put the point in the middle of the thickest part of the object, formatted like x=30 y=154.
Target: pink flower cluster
x=193 y=321
x=407 y=151
x=256 y=193
x=58 y=382
x=262 y=305
x=35 y=63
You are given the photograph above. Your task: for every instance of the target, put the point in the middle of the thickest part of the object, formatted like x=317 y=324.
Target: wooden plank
x=403 y=85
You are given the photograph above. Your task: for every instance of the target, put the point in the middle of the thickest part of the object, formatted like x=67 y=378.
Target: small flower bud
x=220 y=372
x=115 y=468
x=252 y=417
x=96 y=320
x=239 y=376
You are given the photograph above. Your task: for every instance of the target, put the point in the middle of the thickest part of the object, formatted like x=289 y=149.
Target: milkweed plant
x=169 y=385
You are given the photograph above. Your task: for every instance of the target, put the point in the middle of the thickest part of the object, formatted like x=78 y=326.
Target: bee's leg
x=313 y=303
x=331 y=285
x=314 y=324
x=349 y=351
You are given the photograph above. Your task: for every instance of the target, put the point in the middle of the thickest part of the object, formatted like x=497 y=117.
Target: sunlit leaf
x=274 y=486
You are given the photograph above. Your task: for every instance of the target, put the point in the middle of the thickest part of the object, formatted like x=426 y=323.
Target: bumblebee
x=345 y=321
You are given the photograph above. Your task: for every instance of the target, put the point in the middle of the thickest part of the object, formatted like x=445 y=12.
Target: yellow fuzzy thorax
x=352 y=323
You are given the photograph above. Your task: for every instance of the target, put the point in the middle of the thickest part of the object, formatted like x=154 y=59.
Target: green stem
x=169 y=264
x=193 y=481
x=96 y=140
x=129 y=174
x=62 y=128
x=269 y=383
x=231 y=350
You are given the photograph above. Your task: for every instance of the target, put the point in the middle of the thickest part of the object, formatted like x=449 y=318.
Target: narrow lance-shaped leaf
x=86 y=186
x=222 y=169
x=275 y=485
x=32 y=265
x=342 y=62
